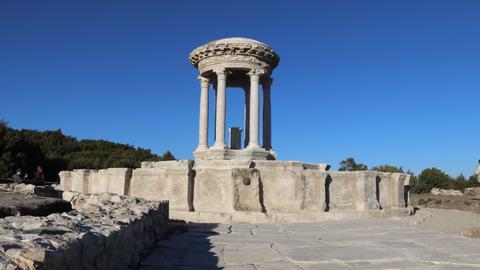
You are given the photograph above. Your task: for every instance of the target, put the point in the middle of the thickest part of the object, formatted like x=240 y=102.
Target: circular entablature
x=234 y=51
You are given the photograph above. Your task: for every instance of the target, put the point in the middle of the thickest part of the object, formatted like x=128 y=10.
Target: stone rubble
x=446 y=192
x=29 y=204
x=104 y=231
x=474 y=191
x=46 y=191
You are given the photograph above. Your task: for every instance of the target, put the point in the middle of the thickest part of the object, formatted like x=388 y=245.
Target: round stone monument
x=235 y=62
x=243 y=181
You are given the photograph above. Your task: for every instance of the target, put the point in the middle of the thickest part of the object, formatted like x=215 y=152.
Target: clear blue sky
x=394 y=82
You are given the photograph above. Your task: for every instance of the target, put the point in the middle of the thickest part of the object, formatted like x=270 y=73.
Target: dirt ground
x=463 y=203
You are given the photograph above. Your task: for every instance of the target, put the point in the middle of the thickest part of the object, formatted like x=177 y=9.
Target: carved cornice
x=232 y=47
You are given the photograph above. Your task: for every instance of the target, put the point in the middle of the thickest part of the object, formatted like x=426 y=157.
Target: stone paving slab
x=353 y=244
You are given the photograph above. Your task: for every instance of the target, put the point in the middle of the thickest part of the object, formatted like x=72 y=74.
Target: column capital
x=221 y=72
x=203 y=80
x=255 y=73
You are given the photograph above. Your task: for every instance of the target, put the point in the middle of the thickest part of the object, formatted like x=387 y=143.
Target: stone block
x=283 y=185
x=65 y=180
x=213 y=188
x=356 y=190
x=112 y=180
x=314 y=195
x=168 y=181
x=80 y=180
x=248 y=190
x=169 y=164
x=391 y=189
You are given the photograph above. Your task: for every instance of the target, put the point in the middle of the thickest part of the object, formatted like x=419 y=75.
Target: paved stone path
x=358 y=244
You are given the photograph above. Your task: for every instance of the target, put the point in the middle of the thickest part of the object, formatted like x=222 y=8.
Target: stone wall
x=104 y=231
x=255 y=187
x=112 y=180
x=168 y=180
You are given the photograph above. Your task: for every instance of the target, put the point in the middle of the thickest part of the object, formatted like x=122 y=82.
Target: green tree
x=55 y=152
x=473 y=181
x=418 y=187
x=433 y=178
x=350 y=164
x=460 y=183
x=387 y=168
x=168 y=156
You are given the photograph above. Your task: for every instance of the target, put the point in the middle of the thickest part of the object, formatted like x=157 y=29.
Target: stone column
x=267 y=114
x=247 y=116
x=203 y=125
x=220 y=110
x=215 y=114
x=254 y=108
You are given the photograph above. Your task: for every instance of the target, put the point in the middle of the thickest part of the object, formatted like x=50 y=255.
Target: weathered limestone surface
x=353 y=190
x=81 y=179
x=112 y=180
x=315 y=195
x=168 y=180
x=283 y=185
x=372 y=244
x=213 y=188
x=104 y=231
x=391 y=189
x=259 y=190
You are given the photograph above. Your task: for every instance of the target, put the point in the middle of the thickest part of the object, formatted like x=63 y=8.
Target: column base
x=201 y=148
x=256 y=153
x=219 y=146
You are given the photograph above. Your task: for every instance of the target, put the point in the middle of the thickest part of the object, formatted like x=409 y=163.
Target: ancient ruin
x=230 y=183
x=95 y=231
x=235 y=62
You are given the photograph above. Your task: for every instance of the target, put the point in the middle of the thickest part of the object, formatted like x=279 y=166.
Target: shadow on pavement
x=187 y=246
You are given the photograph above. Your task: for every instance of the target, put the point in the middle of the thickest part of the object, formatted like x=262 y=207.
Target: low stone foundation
x=300 y=217
x=104 y=231
x=257 y=191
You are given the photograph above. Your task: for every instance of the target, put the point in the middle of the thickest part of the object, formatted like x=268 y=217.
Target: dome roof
x=235 y=46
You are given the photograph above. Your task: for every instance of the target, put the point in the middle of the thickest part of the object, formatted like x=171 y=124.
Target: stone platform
x=371 y=244
x=252 y=191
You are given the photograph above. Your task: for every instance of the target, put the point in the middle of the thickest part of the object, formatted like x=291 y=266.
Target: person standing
x=39 y=178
